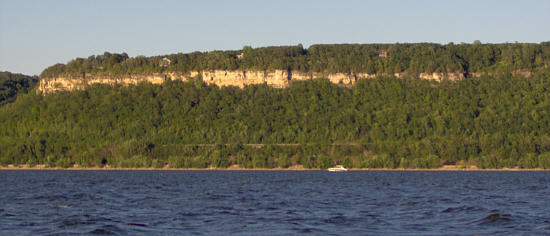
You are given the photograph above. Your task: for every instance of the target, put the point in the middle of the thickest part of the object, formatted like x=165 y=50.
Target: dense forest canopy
x=13 y=84
x=492 y=122
x=408 y=58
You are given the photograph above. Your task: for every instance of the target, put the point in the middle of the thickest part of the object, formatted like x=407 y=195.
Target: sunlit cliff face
x=275 y=78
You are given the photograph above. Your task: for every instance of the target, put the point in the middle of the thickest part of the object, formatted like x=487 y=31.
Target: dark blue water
x=274 y=202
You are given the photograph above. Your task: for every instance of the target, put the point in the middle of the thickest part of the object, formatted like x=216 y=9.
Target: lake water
x=274 y=202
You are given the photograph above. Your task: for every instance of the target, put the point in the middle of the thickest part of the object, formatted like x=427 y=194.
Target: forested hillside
x=13 y=84
x=492 y=122
x=378 y=59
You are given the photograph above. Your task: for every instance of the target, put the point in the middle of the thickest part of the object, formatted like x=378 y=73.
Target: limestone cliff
x=275 y=78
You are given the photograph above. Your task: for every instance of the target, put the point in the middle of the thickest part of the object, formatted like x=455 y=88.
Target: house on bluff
x=165 y=62
x=383 y=53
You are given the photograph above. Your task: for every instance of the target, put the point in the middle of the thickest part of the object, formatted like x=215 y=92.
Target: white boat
x=337 y=169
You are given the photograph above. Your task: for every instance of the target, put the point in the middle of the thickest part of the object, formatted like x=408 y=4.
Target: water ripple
x=274 y=202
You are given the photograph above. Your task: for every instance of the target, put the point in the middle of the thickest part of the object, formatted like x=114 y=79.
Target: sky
x=35 y=34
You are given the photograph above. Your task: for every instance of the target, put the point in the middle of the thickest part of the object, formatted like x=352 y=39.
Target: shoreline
x=236 y=168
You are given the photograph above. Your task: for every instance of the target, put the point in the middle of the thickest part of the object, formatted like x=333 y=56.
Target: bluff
x=275 y=78
x=279 y=66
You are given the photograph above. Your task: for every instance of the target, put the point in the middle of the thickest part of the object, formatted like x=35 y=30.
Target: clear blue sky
x=37 y=34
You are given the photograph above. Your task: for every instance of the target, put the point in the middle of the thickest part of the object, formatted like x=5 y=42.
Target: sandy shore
x=292 y=168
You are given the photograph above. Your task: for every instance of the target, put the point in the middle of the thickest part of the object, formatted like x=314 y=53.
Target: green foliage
x=244 y=160
x=310 y=161
x=83 y=159
x=284 y=161
x=429 y=162
x=200 y=162
x=50 y=161
x=157 y=164
x=135 y=161
x=180 y=161
x=259 y=160
x=531 y=160
x=492 y=121
x=410 y=59
x=13 y=84
x=324 y=161
x=380 y=161
x=218 y=160
x=348 y=162
x=63 y=162
x=544 y=160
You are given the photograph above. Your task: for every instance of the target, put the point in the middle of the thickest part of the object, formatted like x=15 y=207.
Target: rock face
x=275 y=78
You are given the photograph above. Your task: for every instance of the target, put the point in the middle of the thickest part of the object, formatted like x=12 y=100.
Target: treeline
x=13 y=84
x=346 y=58
x=491 y=122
